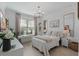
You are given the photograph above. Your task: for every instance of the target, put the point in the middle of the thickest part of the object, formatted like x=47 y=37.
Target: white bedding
x=45 y=38
x=40 y=42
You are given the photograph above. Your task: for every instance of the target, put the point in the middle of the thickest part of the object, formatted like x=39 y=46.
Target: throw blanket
x=44 y=38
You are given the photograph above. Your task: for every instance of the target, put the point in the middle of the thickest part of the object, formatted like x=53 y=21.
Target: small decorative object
x=6 y=36
x=45 y=24
x=39 y=26
x=6 y=45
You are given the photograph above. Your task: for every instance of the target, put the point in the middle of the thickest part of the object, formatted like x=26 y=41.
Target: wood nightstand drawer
x=73 y=46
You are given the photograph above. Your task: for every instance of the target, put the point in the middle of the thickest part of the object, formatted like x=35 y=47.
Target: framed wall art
x=54 y=23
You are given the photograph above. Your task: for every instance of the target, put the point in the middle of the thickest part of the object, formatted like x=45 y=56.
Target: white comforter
x=44 y=38
x=45 y=43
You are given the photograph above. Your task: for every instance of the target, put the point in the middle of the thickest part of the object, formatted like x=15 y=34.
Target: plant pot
x=6 y=45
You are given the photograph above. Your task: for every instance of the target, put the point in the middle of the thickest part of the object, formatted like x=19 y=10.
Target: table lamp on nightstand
x=66 y=31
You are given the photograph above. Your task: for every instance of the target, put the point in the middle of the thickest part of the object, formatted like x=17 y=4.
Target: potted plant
x=6 y=36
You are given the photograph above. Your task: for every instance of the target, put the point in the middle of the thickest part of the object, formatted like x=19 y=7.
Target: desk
x=16 y=51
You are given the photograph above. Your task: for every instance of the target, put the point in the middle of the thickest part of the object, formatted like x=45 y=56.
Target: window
x=23 y=23
x=27 y=27
x=31 y=26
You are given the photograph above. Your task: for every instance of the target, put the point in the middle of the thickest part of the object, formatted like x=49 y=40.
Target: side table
x=64 y=41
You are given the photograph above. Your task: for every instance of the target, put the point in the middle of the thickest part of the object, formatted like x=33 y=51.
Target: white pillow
x=56 y=33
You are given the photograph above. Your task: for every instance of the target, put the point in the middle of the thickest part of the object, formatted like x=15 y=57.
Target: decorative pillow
x=56 y=33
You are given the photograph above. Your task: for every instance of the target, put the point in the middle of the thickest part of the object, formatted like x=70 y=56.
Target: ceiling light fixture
x=39 y=12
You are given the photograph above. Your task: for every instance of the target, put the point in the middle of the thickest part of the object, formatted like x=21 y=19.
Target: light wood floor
x=58 y=51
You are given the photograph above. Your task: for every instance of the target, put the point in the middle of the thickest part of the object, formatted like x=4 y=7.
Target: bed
x=44 y=43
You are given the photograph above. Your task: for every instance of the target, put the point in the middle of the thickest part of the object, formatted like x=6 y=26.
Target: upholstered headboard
x=54 y=33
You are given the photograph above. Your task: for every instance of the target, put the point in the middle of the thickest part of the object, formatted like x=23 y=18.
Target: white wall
x=76 y=23
x=59 y=13
x=2 y=7
x=77 y=29
x=52 y=15
x=10 y=14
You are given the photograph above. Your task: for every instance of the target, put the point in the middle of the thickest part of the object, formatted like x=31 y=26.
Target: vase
x=6 y=45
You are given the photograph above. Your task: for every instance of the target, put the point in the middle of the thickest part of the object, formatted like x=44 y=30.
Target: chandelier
x=39 y=12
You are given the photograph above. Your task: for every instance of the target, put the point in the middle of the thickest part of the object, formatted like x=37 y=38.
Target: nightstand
x=73 y=43
x=73 y=46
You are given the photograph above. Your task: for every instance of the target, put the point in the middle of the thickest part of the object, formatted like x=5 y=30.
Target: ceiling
x=31 y=7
